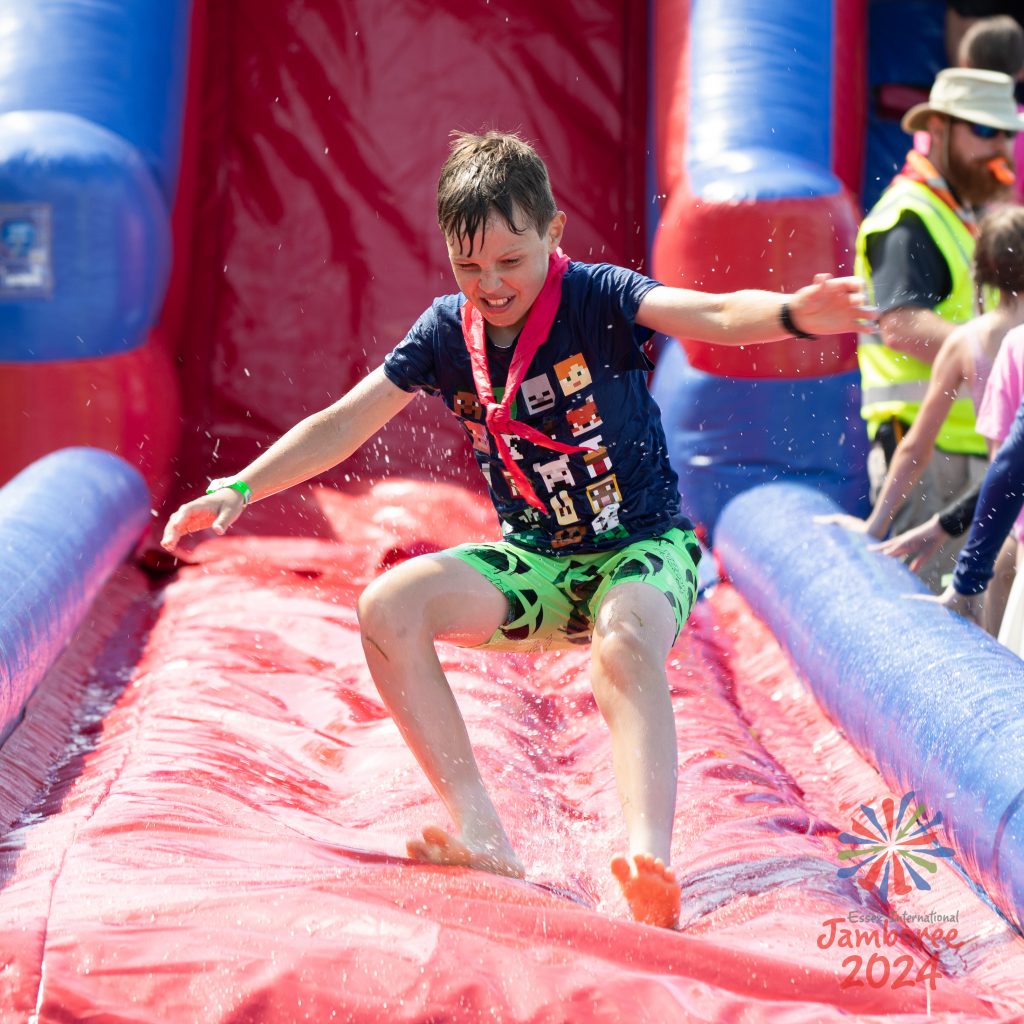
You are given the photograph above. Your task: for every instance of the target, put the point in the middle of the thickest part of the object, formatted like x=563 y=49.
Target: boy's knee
x=379 y=620
x=366 y=605
x=617 y=656
x=391 y=612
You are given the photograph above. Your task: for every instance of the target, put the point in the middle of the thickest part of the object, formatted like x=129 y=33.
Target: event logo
x=890 y=845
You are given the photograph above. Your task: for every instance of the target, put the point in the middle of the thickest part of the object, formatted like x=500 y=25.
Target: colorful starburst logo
x=890 y=844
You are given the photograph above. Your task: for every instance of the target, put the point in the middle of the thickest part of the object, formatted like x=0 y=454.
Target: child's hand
x=918 y=544
x=843 y=519
x=967 y=605
x=833 y=305
x=218 y=510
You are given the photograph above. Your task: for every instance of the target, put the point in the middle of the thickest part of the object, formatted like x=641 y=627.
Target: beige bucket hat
x=984 y=97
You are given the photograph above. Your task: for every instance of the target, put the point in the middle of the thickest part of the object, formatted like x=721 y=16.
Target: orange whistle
x=1001 y=170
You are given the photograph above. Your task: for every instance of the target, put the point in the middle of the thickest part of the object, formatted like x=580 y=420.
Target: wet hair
x=993 y=44
x=999 y=254
x=497 y=172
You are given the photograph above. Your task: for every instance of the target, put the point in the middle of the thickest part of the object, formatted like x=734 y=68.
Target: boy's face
x=503 y=273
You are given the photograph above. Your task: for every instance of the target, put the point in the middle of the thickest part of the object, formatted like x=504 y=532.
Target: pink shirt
x=1002 y=397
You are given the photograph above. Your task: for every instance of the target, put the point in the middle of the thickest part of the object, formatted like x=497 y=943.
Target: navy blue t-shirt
x=587 y=385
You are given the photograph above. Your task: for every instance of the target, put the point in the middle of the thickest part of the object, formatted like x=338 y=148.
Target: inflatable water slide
x=214 y=219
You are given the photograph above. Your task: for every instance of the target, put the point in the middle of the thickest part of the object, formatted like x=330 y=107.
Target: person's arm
x=909 y=278
x=913 y=453
x=313 y=445
x=917 y=332
x=831 y=305
x=999 y=504
x=921 y=542
x=915 y=450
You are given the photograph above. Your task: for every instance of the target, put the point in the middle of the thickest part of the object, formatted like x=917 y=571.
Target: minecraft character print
x=466 y=404
x=550 y=426
x=597 y=460
x=564 y=509
x=529 y=516
x=478 y=435
x=572 y=374
x=584 y=418
x=514 y=441
x=538 y=394
x=555 y=472
x=568 y=536
x=607 y=519
x=602 y=493
x=511 y=484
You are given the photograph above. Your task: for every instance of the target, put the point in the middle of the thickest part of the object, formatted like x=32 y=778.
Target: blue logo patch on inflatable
x=26 y=269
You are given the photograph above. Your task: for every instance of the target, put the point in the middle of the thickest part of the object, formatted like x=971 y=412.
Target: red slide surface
x=224 y=838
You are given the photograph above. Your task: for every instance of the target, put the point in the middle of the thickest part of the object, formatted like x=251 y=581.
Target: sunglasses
x=984 y=131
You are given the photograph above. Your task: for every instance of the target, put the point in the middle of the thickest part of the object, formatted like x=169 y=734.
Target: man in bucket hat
x=914 y=250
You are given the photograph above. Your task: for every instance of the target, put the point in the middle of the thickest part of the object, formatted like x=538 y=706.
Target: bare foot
x=651 y=890
x=440 y=847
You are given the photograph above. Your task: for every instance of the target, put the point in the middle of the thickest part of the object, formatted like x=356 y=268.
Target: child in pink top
x=1002 y=398
x=998 y=408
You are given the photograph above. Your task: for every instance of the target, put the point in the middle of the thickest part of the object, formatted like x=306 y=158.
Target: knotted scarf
x=534 y=333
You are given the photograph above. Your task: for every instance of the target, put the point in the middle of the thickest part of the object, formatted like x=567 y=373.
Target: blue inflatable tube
x=929 y=698
x=66 y=522
x=91 y=110
x=119 y=64
x=760 y=100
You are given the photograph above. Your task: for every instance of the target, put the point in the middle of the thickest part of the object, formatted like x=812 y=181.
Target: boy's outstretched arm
x=830 y=305
x=313 y=445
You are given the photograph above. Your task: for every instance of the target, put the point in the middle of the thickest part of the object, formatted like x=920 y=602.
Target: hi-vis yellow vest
x=894 y=383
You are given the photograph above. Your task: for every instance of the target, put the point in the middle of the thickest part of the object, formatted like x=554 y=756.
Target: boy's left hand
x=833 y=305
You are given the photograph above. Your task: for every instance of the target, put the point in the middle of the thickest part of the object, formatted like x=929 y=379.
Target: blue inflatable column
x=758 y=205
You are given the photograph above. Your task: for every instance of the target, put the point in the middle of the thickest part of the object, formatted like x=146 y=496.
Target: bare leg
x=401 y=614
x=632 y=638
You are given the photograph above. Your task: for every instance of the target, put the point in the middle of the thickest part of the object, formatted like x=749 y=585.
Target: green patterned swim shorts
x=553 y=600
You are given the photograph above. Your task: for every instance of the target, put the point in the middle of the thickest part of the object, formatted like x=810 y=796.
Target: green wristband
x=233 y=485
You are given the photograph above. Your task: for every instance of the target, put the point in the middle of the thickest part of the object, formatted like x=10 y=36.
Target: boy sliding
x=541 y=359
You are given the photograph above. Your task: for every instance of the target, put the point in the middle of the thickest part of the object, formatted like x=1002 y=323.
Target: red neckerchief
x=534 y=334
x=920 y=169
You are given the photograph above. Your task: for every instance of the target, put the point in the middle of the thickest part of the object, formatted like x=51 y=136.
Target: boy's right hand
x=217 y=511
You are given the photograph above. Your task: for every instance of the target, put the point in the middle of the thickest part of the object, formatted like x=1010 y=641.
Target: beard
x=972 y=181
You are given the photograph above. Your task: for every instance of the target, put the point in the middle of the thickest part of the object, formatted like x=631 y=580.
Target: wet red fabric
x=224 y=838
x=322 y=127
